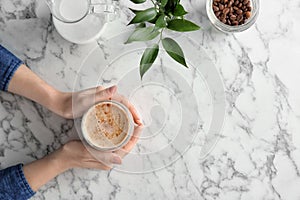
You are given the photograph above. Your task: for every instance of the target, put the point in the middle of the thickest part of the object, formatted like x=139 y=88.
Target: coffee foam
x=105 y=125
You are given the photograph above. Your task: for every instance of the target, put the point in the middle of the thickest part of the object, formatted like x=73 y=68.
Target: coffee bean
x=232 y=12
x=235 y=23
x=232 y=17
x=221 y=6
x=245 y=2
x=241 y=18
x=216 y=8
x=225 y=11
x=248 y=14
x=239 y=12
x=242 y=22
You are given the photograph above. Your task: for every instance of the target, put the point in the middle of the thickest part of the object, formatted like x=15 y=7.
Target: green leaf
x=152 y=21
x=143 y=16
x=161 y=22
x=182 y=25
x=138 y=1
x=141 y=25
x=148 y=59
x=143 y=34
x=174 y=50
x=171 y=5
x=134 y=11
x=164 y=3
x=179 y=10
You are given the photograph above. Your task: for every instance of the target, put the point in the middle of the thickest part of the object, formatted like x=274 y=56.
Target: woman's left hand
x=73 y=105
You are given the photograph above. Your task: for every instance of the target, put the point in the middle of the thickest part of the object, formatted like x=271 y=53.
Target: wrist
x=59 y=161
x=39 y=172
x=59 y=103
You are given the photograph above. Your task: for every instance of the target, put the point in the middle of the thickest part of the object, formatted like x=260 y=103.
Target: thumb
x=106 y=93
x=108 y=158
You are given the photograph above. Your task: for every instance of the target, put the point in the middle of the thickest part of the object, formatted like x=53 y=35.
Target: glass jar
x=232 y=29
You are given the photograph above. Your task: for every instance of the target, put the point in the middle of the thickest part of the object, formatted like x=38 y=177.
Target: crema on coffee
x=106 y=125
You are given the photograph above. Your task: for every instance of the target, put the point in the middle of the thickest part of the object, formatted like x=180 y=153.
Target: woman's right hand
x=75 y=155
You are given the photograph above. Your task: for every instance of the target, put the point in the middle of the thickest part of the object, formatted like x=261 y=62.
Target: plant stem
x=160 y=38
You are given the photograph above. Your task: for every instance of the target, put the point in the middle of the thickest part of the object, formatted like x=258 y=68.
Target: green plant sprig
x=151 y=22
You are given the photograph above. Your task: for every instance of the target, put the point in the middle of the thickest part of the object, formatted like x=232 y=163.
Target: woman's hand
x=74 y=155
x=69 y=105
x=72 y=105
x=66 y=104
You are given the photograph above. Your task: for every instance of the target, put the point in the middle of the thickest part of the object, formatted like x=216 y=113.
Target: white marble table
x=258 y=154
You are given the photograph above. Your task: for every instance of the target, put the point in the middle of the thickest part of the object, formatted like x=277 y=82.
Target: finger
x=92 y=91
x=135 y=115
x=107 y=158
x=131 y=143
x=129 y=105
x=99 y=88
x=97 y=165
x=105 y=94
x=134 y=138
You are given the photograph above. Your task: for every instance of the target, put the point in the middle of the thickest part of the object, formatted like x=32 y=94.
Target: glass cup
x=232 y=29
x=72 y=11
x=110 y=146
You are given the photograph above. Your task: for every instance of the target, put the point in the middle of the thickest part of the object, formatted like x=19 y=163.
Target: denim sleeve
x=9 y=63
x=13 y=185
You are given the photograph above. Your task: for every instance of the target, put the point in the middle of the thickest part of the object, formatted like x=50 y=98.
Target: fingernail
x=139 y=122
x=116 y=160
x=112 y=89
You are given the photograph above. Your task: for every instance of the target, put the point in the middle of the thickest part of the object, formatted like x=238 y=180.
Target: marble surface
x=258 y=153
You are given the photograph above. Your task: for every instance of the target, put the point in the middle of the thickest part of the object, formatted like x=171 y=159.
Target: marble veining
x=258 y=153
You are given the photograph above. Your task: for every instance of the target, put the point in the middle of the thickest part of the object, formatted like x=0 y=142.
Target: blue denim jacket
x=13 y=184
